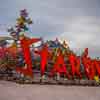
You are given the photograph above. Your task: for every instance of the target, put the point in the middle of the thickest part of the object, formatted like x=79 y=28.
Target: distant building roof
x=3 y=41
x=5 y=38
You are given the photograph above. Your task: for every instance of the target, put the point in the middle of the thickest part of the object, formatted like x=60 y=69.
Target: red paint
x=25 y=43
x=59 y=65
x=75 y=63
x=44 y=53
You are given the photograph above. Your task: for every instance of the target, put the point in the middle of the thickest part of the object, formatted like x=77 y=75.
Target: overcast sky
x=77 y=21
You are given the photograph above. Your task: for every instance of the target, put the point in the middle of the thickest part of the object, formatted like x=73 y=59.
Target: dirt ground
x=13 y=91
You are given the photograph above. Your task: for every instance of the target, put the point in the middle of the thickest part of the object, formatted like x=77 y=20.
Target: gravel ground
x=13 y=91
